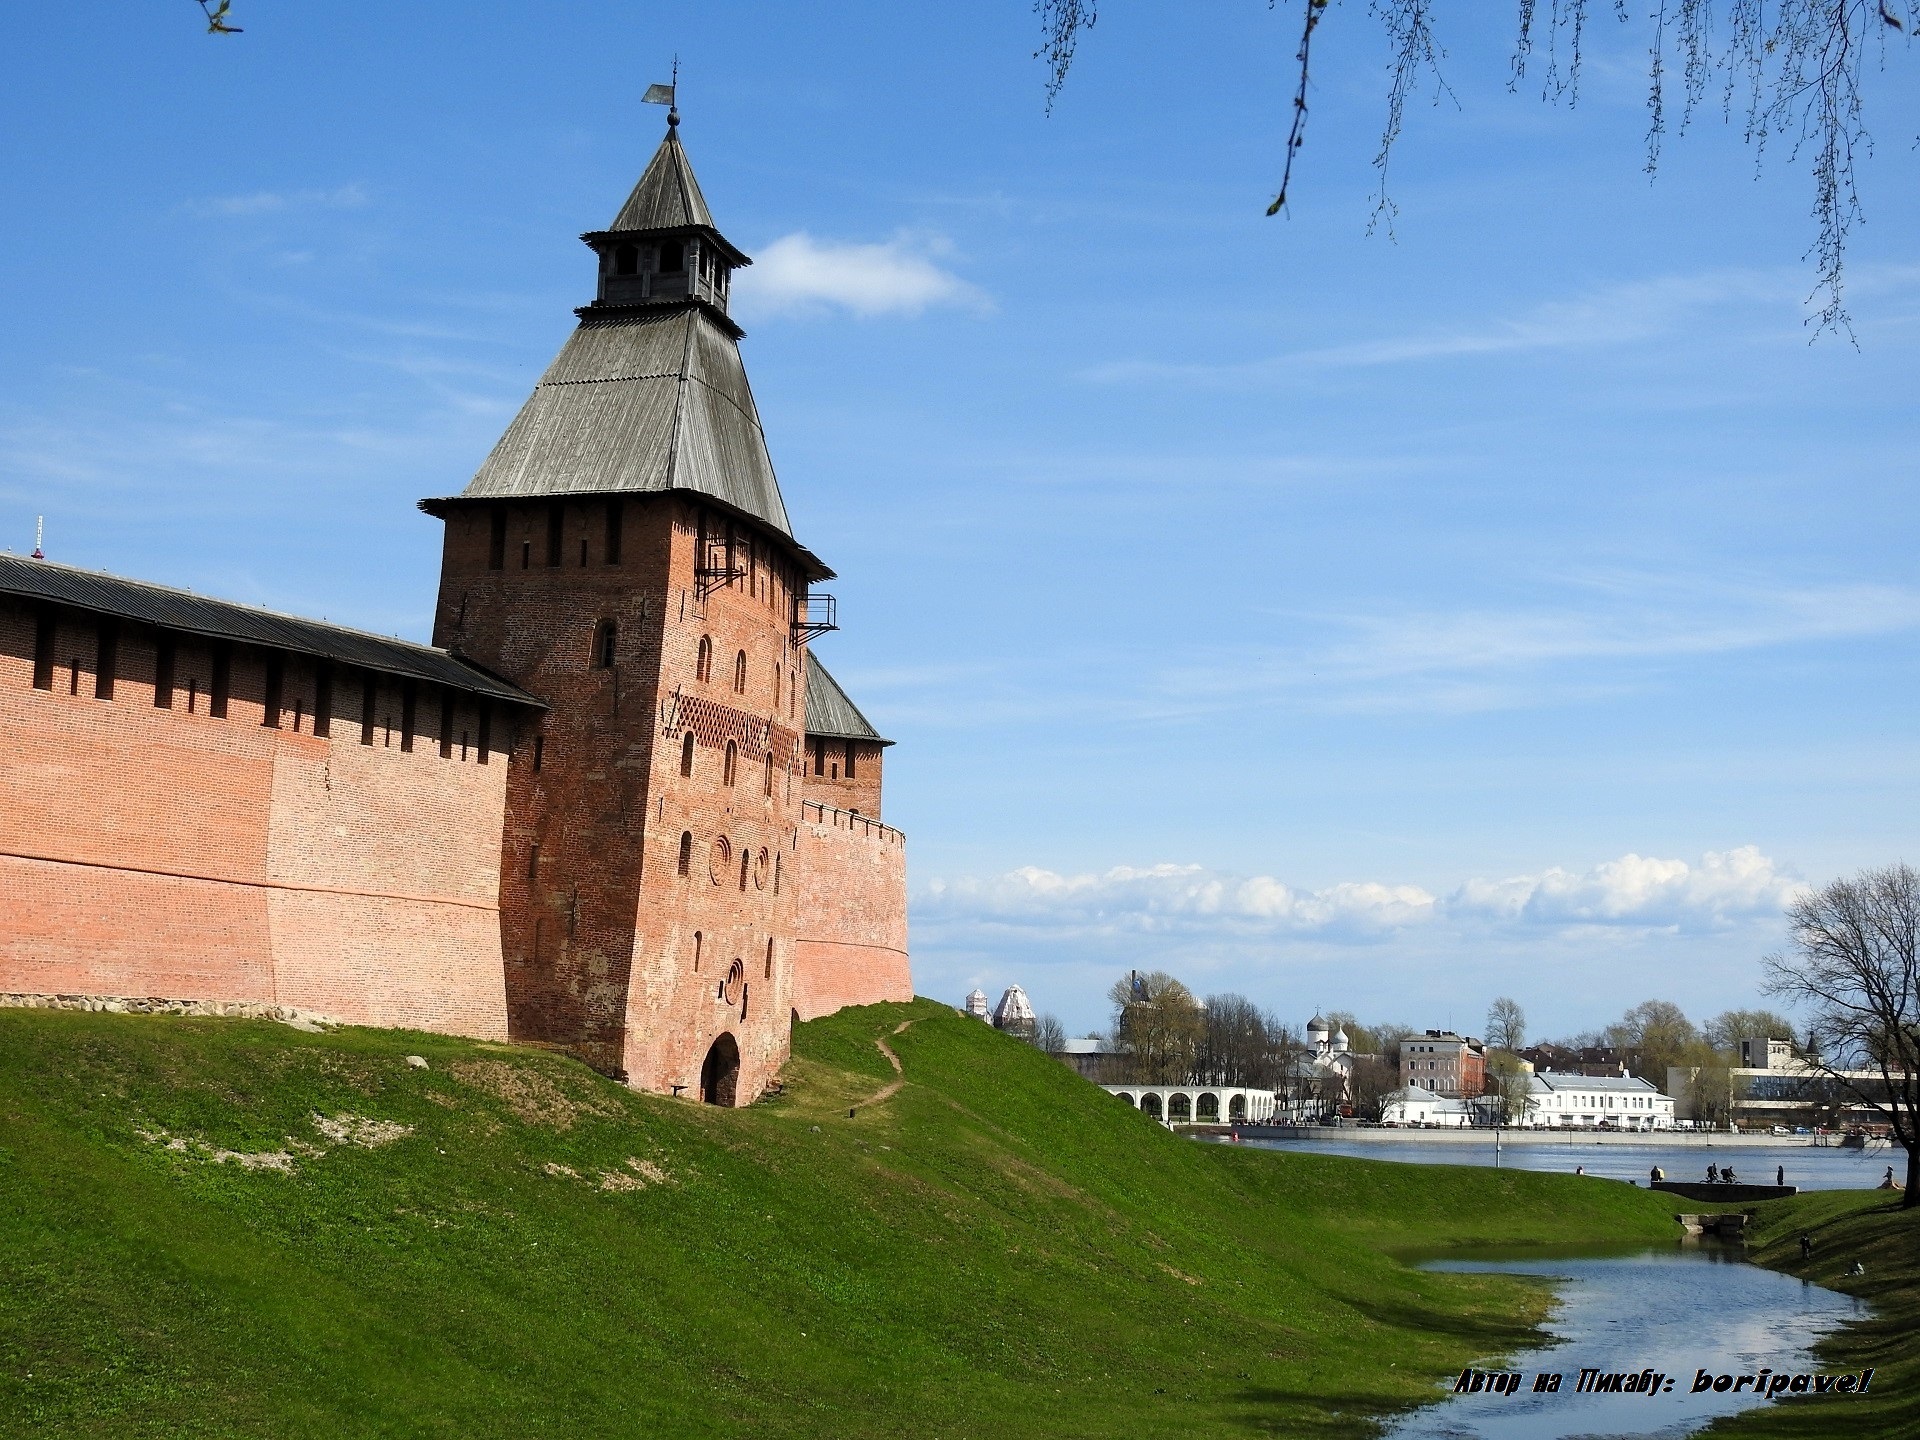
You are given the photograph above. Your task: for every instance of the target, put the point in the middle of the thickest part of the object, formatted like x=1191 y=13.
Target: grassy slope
x=1867 y=1226
x=999 y=1249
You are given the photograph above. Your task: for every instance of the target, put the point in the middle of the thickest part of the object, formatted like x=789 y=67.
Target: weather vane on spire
x=663 y=94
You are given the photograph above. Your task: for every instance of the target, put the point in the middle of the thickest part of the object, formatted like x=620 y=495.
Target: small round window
x=720 y=859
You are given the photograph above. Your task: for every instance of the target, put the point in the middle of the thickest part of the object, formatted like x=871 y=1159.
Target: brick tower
x=624 y=554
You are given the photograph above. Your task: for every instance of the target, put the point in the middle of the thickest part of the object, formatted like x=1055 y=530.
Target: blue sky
x=1516 y=605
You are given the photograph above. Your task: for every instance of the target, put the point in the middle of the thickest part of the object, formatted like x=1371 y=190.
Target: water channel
x=1807 y=1166
x=1677 y=1310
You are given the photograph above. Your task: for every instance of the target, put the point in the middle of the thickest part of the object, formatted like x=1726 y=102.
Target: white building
x=1198 y=1104
x=1416 y=1105
x=976 y=1005
x=1014 y=1012
x=1621 y=1102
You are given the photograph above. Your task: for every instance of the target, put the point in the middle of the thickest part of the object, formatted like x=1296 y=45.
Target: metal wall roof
x=185 y=612
x=646 y=402
x=830 y=712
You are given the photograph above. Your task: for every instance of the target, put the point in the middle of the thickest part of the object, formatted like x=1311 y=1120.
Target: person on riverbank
x=1713 y=1174
x=1658 y=1175
x=1780 y=1175
x=1806 y=1247
x=1726 y=1175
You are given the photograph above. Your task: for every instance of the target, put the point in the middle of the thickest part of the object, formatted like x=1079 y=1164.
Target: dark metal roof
x=667 y=196
x=830 y=712
x=191 y=614
x=644 y=402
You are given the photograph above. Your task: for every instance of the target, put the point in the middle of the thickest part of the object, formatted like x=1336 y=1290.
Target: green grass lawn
x=999 y=1250
x=1848 y=1226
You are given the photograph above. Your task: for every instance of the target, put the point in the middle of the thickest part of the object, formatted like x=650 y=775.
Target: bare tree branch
x=1795 y=68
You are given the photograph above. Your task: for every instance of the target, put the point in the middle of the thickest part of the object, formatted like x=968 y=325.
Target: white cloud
x=1470 y=660
x=1614 y=315
x=269 y=202
x=1725 y=888
x=897 y=277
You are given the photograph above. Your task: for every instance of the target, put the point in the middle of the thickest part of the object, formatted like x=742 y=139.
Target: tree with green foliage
x=1727 y=1029
x=1158 y=1026
x=1652 y=1036
x=1853 y=966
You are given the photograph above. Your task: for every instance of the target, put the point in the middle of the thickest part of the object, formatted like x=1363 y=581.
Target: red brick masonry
x=850 y=943
x=165 y=852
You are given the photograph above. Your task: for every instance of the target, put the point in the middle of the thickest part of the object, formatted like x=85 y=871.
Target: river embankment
x=1678 y=1155
x=1389 y=1136
x=1864 y=1245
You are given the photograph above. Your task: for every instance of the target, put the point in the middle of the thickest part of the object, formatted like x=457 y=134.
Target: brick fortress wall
x=149 y=851
x=619 y=944
x=851 y=913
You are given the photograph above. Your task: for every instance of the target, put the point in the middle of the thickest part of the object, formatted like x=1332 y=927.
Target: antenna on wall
x=39 y=534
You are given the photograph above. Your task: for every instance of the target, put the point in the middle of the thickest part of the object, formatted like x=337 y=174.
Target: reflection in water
x=1677 y=1310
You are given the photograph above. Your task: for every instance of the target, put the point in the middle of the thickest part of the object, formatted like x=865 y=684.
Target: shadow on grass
x=1270 y=1410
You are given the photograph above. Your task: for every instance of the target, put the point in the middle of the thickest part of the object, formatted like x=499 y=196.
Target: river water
x=1676 y=1310
x=1807 y=1166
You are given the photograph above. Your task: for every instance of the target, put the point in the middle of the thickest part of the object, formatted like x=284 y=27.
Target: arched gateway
x=721 y=1072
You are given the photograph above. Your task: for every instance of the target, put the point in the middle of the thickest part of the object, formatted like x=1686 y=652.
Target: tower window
x=769 y=970
x=323 y=701
x=740 y=673
x=703 y=666
x=769 y=789
x=686 y=852
x=851 y=751
x=276 y=684
x=43 y=638
x=819 y=756
x=220 y=685
x=626 y=259
x=698 y=938
x=746 y=859
x=686 y=754
x=556 y=524
x=614 y=519
x=733 y=757
x=409 y=712
x=106 y=659
x=776 y=687
x=163 y=660
x=673 y=256
x=369 y=702
x=497 y=538
x=604 y=641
